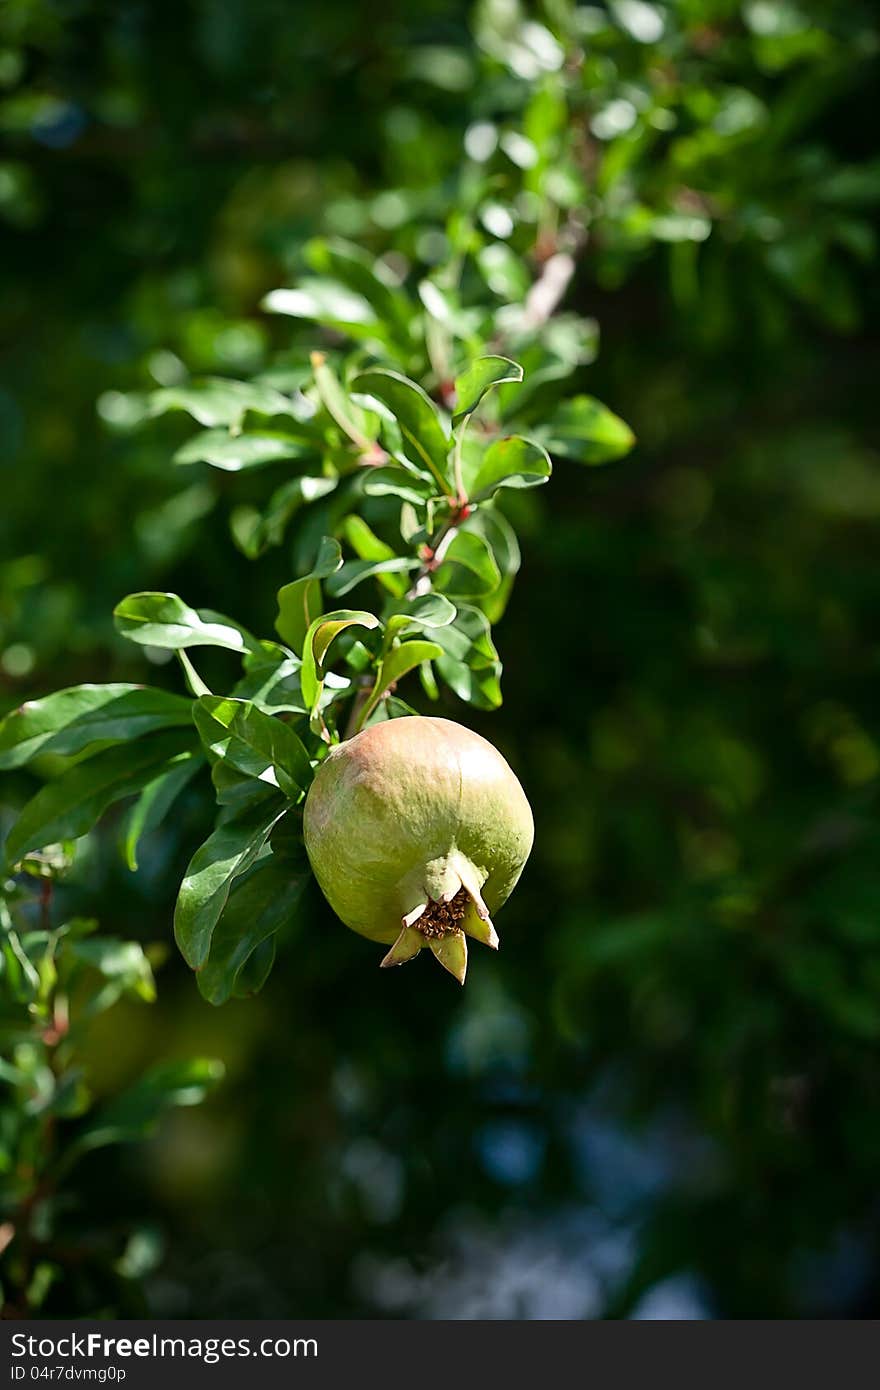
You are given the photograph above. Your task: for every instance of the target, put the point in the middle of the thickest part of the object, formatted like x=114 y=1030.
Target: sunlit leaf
x=70 y=805
x=425 y=439
x=299 y=603
x=71 y=720
x=322 y=632
x=164 y=620
x=585 y=430
x=426 y=611
x=228 y=852
x=510 y=462
x=470 y=665
x=395 y=665
x=394 y=482
x=482 y=374
x=262 y=903
x=328 y=302
x=255 y=743
x=155 y=801
x=237 y=453
x=468 y=568
x=216 y=400
x=354 y=572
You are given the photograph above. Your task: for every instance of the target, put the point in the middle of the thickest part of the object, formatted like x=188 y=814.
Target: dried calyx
x=417 y=830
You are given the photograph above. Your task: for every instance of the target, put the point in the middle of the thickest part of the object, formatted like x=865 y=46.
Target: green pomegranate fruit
x=417 y=830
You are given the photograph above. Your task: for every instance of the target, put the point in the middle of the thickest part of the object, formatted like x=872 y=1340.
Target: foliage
x=56 y=980
x=365 y=366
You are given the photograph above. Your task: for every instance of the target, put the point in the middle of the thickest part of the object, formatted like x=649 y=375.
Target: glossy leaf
x=427 y=445
x=261 y=904
x=228 y=852
x=271 y=681
x=164 y=620
x=328 y=302
x=585 y=430
x=257 y=744
x=510 y=462
x=470 y=665
x=426 y=611
x=71 y=720
x=267 y=529
x=218 y=401
x=70 y=805
x=468 y=568
x=395 y=665
x=155 y=801
x=482 y=374
x=299 y=603
x=355 y=268
x=395 y=482
x=354 y=572
x=238 y=453
x=321 y=633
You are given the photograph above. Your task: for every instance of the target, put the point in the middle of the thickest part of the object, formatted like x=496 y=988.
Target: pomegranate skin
x=417 y=830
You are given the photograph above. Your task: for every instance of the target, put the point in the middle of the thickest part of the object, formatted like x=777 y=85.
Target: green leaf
x=364 y=542
x=417 y=416
x=426 y=611
x=321 y=633
x=259 y=532
x=585 y=430
x=164 y=620
x=236 y=792
x=218 y=401
x=123 y=965
x=504 y=271
x=237 y=453
x=350 y=418
x=353 y=267
x=227 y=853
x=468 y=568
x=391 y=708
x=480 y=377
x=134 y=1114
x=70 y=806
x=470 y=664
x=510 y=462
x=72 y=719
x=368 y=546
x=299 y=603
x=155 y=801
x=500 y=536
x=260 y=904
x=388 y=481
x=257 y=744
x=395 y=665
x=354 y=572
x=271 y=681
x=330 y=303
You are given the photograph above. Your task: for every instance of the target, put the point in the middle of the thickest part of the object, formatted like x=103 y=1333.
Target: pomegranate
x=417 y=830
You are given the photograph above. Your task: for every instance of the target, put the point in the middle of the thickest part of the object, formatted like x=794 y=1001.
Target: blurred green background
x=662 y=1098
